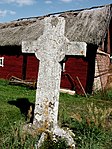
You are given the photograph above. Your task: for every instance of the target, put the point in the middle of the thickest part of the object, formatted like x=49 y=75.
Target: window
x=1 y=61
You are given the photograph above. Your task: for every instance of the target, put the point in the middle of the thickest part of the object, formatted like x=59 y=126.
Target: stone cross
x=51 y=48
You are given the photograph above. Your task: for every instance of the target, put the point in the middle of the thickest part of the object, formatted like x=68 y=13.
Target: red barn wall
x=75 y=67
x=32 y=68
x=12 y=66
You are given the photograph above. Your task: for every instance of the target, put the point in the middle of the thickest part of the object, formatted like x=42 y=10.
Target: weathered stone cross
x=50 y=49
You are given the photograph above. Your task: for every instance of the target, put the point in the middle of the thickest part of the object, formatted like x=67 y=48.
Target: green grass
x=89 y=118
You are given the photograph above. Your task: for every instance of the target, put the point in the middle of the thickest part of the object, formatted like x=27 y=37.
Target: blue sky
x=15 y=9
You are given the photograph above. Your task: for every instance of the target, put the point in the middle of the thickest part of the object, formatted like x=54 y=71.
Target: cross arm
x=76 y=48
x=29 y=46
x=72 y=48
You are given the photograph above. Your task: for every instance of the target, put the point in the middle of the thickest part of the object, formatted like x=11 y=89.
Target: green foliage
x=105 y=94
x=87 y=136
x=11 y=116
x=17 y=139
x=50 y=144
x=90 y=119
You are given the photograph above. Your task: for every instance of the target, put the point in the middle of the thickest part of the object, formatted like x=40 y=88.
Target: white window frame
x=1 y=61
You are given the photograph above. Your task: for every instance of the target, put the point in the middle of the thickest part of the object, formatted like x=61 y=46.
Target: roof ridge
x=58 y=13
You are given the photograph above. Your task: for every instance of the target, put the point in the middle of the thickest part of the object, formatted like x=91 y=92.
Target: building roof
x=88 y=25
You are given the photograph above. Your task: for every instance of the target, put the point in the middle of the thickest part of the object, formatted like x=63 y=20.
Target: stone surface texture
x=50 y=49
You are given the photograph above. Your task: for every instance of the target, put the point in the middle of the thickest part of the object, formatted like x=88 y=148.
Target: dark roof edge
x=58 y=13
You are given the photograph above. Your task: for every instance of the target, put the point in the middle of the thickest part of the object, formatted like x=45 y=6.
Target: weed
x=105 y=94
x=17 y=139
x=60 y=143
x=99 y=116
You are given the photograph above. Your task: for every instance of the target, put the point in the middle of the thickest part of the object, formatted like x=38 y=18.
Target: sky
x=11 y=10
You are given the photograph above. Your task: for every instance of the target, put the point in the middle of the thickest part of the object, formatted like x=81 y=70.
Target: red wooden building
x=93 y=26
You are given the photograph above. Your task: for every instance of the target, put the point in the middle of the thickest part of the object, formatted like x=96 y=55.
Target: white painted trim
x=1 y=61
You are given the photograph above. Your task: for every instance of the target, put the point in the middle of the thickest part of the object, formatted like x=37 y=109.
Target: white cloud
x=19 y=2
x=11 y=12
x=66 y=1
x=3 y=13
x=48 y=1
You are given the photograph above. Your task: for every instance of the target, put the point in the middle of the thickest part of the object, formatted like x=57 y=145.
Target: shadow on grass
x=26 y=107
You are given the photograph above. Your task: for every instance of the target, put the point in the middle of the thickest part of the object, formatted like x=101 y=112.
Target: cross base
x=56 y=133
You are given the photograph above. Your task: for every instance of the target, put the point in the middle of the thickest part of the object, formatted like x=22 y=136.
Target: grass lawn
x=89 y=118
